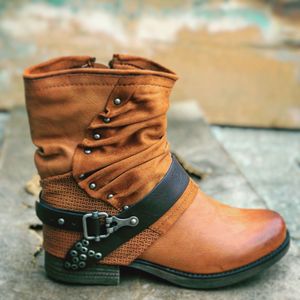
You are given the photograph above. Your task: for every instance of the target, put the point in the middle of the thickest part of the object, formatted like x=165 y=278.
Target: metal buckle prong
x=131 y=221
x=112 y=224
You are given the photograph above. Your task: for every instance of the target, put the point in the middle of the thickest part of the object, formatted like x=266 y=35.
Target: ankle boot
x=112 y=193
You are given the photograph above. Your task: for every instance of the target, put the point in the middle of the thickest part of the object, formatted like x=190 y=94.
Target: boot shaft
x=107 y=126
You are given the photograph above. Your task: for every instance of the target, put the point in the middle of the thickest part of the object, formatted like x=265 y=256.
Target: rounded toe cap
x=273 y=232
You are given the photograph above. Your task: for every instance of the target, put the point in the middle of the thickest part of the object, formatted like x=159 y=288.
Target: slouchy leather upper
x=71 y=99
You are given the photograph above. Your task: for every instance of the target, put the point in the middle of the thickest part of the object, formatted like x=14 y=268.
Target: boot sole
x=110 y=275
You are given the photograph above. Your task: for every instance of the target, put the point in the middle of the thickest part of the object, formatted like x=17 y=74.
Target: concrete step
x=22 y=275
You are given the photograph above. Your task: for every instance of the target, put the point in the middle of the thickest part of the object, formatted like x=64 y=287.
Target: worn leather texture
x=69 y=100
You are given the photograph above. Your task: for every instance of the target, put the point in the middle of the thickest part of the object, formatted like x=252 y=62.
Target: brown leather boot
x=113 y=195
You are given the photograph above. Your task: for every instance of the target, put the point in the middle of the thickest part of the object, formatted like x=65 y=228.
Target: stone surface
x=270 y=160
x=190 y=136
x=22 y=275
x=3 y=119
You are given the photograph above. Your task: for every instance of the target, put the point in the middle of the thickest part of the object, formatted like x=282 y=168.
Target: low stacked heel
x=98 y=274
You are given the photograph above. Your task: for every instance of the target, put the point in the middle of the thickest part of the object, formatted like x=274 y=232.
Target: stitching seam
x=99 y=84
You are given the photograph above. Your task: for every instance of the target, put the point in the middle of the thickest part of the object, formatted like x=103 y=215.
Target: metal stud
x=91 y=253
x=84 y=249
x=78 y=246
x=74 y=267
x=73 y=253
x=110 y=196
x=81 y=176
x=87 y=151
x=134 y=221
x=98 y=255
x=75 y=260
x=82 y=257
x=85 y=243
x=117 y=101
x=92 y=185
x=106 y=120
x=126 y=207
x=82 y=264
x=67 y=265
x=61 y=221
x=97 y=136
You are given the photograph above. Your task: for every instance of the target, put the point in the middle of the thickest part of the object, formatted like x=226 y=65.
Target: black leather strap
x=59 y=218
x=115 y=230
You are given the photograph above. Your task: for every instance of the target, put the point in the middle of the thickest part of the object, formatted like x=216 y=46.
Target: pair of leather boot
x=113 y=194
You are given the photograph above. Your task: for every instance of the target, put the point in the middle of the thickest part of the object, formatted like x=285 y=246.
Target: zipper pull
x=90 y=63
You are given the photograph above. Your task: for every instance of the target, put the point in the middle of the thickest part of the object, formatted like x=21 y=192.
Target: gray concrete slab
x=270 y=160
x=190 y=136
x=22 y=275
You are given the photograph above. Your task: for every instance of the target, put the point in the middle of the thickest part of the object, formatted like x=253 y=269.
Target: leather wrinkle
x=139 y=105
x=126 y=170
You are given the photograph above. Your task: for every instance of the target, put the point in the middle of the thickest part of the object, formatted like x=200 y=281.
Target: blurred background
x=235 y=118
x=239 y=59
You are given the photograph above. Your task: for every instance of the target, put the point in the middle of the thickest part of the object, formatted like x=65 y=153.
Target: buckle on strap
x=111 y=223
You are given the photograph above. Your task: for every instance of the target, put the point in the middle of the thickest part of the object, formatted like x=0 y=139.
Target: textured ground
x=252 y=168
